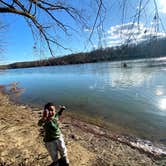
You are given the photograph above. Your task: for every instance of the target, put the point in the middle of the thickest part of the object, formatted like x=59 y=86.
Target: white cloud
x=162 y=6
x=130 y=33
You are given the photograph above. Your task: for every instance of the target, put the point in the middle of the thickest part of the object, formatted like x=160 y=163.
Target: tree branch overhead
x=33 y=10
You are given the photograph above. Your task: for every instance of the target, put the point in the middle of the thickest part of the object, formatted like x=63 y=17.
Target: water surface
x=132 y=98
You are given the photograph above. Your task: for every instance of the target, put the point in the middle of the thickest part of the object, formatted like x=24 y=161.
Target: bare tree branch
x=29 y=9
x=98 y=12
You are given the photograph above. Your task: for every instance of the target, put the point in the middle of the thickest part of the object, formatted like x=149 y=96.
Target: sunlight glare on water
x=162 y=104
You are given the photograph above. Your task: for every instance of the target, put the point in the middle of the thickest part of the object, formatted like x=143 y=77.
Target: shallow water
x=132 y=98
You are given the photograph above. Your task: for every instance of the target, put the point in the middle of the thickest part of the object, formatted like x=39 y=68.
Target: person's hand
x=62 y=107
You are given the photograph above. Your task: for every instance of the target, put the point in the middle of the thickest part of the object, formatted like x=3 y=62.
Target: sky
x=120 y=25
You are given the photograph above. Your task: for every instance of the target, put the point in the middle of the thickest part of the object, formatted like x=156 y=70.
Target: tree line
x=147 y=49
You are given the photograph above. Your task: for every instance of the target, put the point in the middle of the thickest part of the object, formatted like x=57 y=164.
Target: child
x=53 y=138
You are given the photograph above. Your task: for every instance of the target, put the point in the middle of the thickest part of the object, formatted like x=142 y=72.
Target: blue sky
x=18 y=41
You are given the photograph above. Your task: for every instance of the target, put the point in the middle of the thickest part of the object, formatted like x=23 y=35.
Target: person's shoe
x=63 y=162
x=54 y=164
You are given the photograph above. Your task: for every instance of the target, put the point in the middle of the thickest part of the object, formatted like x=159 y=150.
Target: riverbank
x=89 y=145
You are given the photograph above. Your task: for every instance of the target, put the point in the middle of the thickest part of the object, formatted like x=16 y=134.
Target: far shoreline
x=65 y=61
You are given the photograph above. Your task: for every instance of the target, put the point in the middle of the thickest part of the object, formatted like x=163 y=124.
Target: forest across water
x=154 y=48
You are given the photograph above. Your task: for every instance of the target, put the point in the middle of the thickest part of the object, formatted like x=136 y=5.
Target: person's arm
x=42 y=121
x=62 y=108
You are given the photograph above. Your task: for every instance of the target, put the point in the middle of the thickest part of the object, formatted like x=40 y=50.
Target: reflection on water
x=129 y=78
x=162 y=104
x=12 y=89
x=133 y=98
x=160 y=90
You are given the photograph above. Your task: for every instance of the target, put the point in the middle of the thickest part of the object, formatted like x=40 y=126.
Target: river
x=131 y=99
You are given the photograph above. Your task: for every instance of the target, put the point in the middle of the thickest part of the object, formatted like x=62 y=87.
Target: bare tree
x=34 y=10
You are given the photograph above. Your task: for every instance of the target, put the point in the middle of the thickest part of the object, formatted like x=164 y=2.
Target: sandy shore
x=88 y=145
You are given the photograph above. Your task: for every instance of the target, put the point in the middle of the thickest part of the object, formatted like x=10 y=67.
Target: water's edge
x=101 y=129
